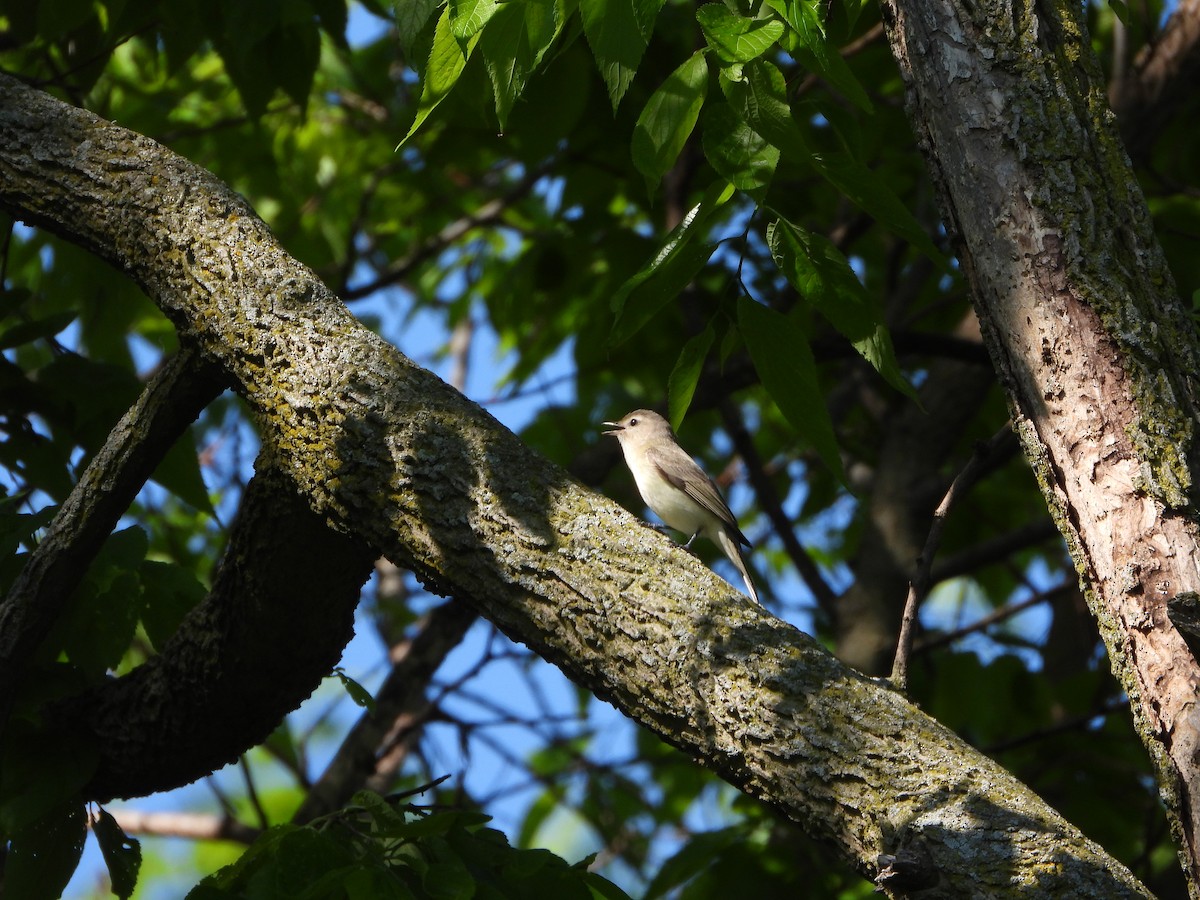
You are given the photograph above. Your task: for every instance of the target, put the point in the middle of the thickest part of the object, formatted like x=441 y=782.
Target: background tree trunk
x=1081 y=316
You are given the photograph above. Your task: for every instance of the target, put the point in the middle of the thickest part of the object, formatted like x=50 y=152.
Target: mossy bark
x=1080 y=314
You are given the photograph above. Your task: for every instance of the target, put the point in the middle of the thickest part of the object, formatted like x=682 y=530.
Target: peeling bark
x=1080 y=314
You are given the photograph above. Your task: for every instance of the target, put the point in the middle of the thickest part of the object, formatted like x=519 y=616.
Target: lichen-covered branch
x=279 y=614
x=391 y=455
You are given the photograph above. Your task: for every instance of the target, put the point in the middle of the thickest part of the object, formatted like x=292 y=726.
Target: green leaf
x=872 y=194
x=305 y=859
x=507 y=57
x=514 y=44
x=293 y=53
x=103 y=625
x=171 y=592
x=739 y=154
x=811 y=48
x=27 y=332
x=467 y=17
x=852 y=9
x=758 y=93
x=686 y=374
x=602 y=888
x=737 y=38
x=694 y=857
x=42 y=856
x=103 y=613
x=179 y=472
x=122 y=854
x=266 y=47
x=258 y=859
x=615 y=34
x=658 y=282
x=779 y=349
x=448 y=880
x=359 y=694
x=823 y=277
x=759 y=96
x=447 y=59
x=1121 y=9
x=333 y=17
x=410 y=18
x=668 y=118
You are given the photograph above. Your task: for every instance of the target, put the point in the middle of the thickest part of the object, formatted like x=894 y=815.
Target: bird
x=675 y=487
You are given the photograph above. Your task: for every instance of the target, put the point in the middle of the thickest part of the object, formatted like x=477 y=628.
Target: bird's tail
x=729 y=544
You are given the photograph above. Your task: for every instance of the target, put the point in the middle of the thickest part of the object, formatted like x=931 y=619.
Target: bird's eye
x=632 y=422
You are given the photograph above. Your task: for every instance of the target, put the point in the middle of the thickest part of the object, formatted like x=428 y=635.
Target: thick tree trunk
x=388 y=453
x=1081 y=316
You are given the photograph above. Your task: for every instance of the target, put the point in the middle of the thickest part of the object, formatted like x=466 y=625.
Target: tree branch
x=168 y=405
x=280 y=612
x=1163 y=76
x=391 y=454
x=921 y=580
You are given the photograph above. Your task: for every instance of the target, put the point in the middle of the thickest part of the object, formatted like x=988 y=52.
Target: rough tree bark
x=386 y=452
x=1082 y=319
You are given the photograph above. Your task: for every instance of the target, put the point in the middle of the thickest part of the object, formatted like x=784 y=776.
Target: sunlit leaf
x=737 y=38
x=823 y=277
x=359 y=694
x=467 y=17
x=410 y=19
x=681 y=257
x=668 y=118
x=447 y=59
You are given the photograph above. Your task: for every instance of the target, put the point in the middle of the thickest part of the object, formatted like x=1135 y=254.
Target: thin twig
x=191 y=825
x=995 y=550
x=1107 y=708
x=919 y=585
x=252 y=792
x=484 y=215
x=998 y=615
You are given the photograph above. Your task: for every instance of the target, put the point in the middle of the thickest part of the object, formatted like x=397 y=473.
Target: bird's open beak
x=617 y=428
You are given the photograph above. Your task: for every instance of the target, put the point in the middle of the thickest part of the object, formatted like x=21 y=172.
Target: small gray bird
x=676 y=488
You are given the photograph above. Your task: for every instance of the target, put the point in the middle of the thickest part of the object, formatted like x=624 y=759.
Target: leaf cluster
x=375 y=848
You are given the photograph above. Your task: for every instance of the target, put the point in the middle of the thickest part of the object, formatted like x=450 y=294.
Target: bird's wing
x=696 y=484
